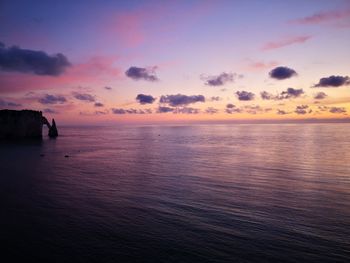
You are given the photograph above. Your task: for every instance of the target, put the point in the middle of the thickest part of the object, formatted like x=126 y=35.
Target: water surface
x=201 y=193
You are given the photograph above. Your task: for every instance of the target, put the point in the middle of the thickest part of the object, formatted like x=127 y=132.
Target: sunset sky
x=153 y=61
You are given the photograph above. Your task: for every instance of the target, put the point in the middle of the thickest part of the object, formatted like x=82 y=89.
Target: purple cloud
x=215 y=98
x=4 y=103
x=219 y=80
x=17 y=59
x=292 y=93
x=333 y=82
x=281 y=73
x=181 y=100
x=52 y=99
x=186 y=110
x=288 y=94
x=211 y=110
x=320 y=96
x=145 y=99
x=137 y=73
x=245 y=95
x=301 y=109
x=98 y=104
x=163 y=109
x=255 y=109
x=230 y=109
x=84 y=97
x=131 y=111
x=281 y=112
x=337 y=110
x=51 y=111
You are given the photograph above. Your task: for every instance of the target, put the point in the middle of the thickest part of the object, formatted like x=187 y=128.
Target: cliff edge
x=24 y=124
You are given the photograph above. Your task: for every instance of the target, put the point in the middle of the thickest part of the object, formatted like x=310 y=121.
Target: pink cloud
x=137 y=27
x=322 y=17
x=128 y=27
x=285 y=42
x=96 y=70
x=261 y=65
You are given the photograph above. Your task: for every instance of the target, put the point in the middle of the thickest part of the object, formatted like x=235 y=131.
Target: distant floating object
x=66 y=156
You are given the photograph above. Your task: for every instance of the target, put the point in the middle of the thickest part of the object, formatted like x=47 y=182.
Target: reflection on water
x=202 y=193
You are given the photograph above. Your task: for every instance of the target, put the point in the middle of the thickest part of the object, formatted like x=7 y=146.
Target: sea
x=178 y=193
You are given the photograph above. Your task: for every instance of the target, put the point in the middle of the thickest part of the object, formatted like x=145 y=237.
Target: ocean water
x=201 y=193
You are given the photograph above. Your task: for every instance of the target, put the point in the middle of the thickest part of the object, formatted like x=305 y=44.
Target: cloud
x=131 y=111
x=281 y=112
x=337 y=110
x=255 y=109
x=16 y=59
x=136 y=73
x=322 y=17
x=234 y=110
x=333 y=82
x=221 y=79
x=84 y=97
x=291 y=93
x=285 y=42
x=215 y=98
x=101 y=112
x=211 y=110
x=230 y=109
x=320 y=96
x=52 y=99
x=94 y=113
x=282 y=73
x=118 y=111
x=145 y=99
x=268 y=96
x=301 y=109
x=107 y=88
x=261 y=65
x=4 y=103
x=142 y=25
x=98 y=104
x=186 y=110
x=181 y=100
x=323 y=108
x=245 y=95
x=163 y=109
x=288 y=94
x=51 y=111
x=95 y=71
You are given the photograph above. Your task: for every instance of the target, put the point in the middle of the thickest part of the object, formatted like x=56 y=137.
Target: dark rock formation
x=23 y=124
x=53 y=130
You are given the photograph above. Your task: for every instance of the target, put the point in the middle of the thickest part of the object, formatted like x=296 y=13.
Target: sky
x=168 y=61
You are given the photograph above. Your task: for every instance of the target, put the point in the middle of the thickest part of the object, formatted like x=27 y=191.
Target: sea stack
x=53 y=133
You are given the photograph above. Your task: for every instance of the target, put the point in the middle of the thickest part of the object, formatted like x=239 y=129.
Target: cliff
x=24 y=124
